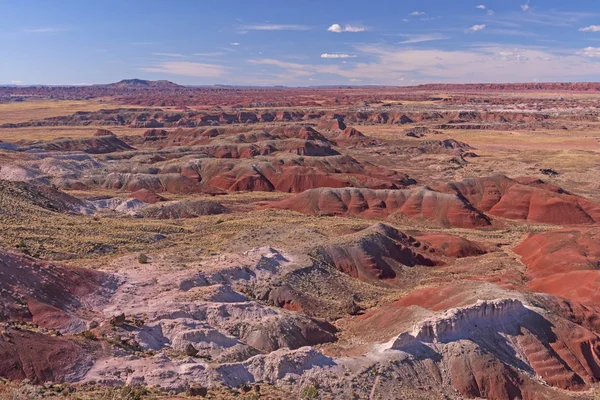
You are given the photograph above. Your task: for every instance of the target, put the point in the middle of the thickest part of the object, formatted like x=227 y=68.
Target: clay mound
x=94 y=145
x=442 y=146
x=52 y=295
x=560 y=251
x=183 y=209
x=294 y=174
x=336 y=124
x=21 y=197
x=104 y=132
x=452 y=246
x=305 y=148
x=228 y=135
x=380 y=252
x=564 y=263
x=41 y=358
x=442 y=208
x=420 y=131
x=580 y=286
x=263 y=148
x=251 y=137
x=146 y=196
x=152 y=135
x=286 y=173
x=171 y=183
x=533 y=200
x=351 y=133
x=298 y=132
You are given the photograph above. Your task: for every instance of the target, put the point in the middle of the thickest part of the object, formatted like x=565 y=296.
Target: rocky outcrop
x=183 y=209
x=460 y=323
x=505 y=340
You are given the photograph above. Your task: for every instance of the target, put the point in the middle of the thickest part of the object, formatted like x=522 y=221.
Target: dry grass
x=39 y=109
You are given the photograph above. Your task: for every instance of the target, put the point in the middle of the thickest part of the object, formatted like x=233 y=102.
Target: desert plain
x=428 y=242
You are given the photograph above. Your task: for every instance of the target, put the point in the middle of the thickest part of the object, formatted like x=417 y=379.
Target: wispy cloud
x=476 y=28
x=511 y=32
x=234 y=44
x=44 y=30
x=526 y=7
x=210 y=54
x=481 y=7
x=337 y=28
x=188 y=69
x=293 y=70
x=422 y=38
x=337 y=55
x=276 y=27
x=593 y=52
x=591 y=28
x=417 y=13
x=489 y=63
x=168 y=55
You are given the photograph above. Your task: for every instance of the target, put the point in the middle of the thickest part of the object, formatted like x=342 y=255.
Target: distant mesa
x=141 y=83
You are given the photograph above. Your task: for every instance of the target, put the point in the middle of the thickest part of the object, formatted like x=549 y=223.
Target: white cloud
x=16 y=82
x=422 y=38
x=337 y=55
x=188 y=69
x=481 y=7
x=490 y=12
x=337 y=28
x=476 y=28
x=526 y=7
x=168 y=54
x=591 y=28
x=404 y=20
x=351 y=28
x=276 y=27
x=593 y=52
x=417 y=13
x=234 y=44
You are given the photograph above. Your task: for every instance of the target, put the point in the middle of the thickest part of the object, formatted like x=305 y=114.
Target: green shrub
x=89 y=335
x=309 y=393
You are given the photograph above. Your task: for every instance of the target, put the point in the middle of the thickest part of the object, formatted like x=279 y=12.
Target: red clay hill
x=461 y=204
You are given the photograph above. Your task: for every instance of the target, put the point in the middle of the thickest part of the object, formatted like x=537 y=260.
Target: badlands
x=429 y=242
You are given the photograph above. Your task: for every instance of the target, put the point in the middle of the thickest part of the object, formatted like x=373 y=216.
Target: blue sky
x=299 y=43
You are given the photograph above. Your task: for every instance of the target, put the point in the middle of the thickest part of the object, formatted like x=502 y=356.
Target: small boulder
x=196 y=390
